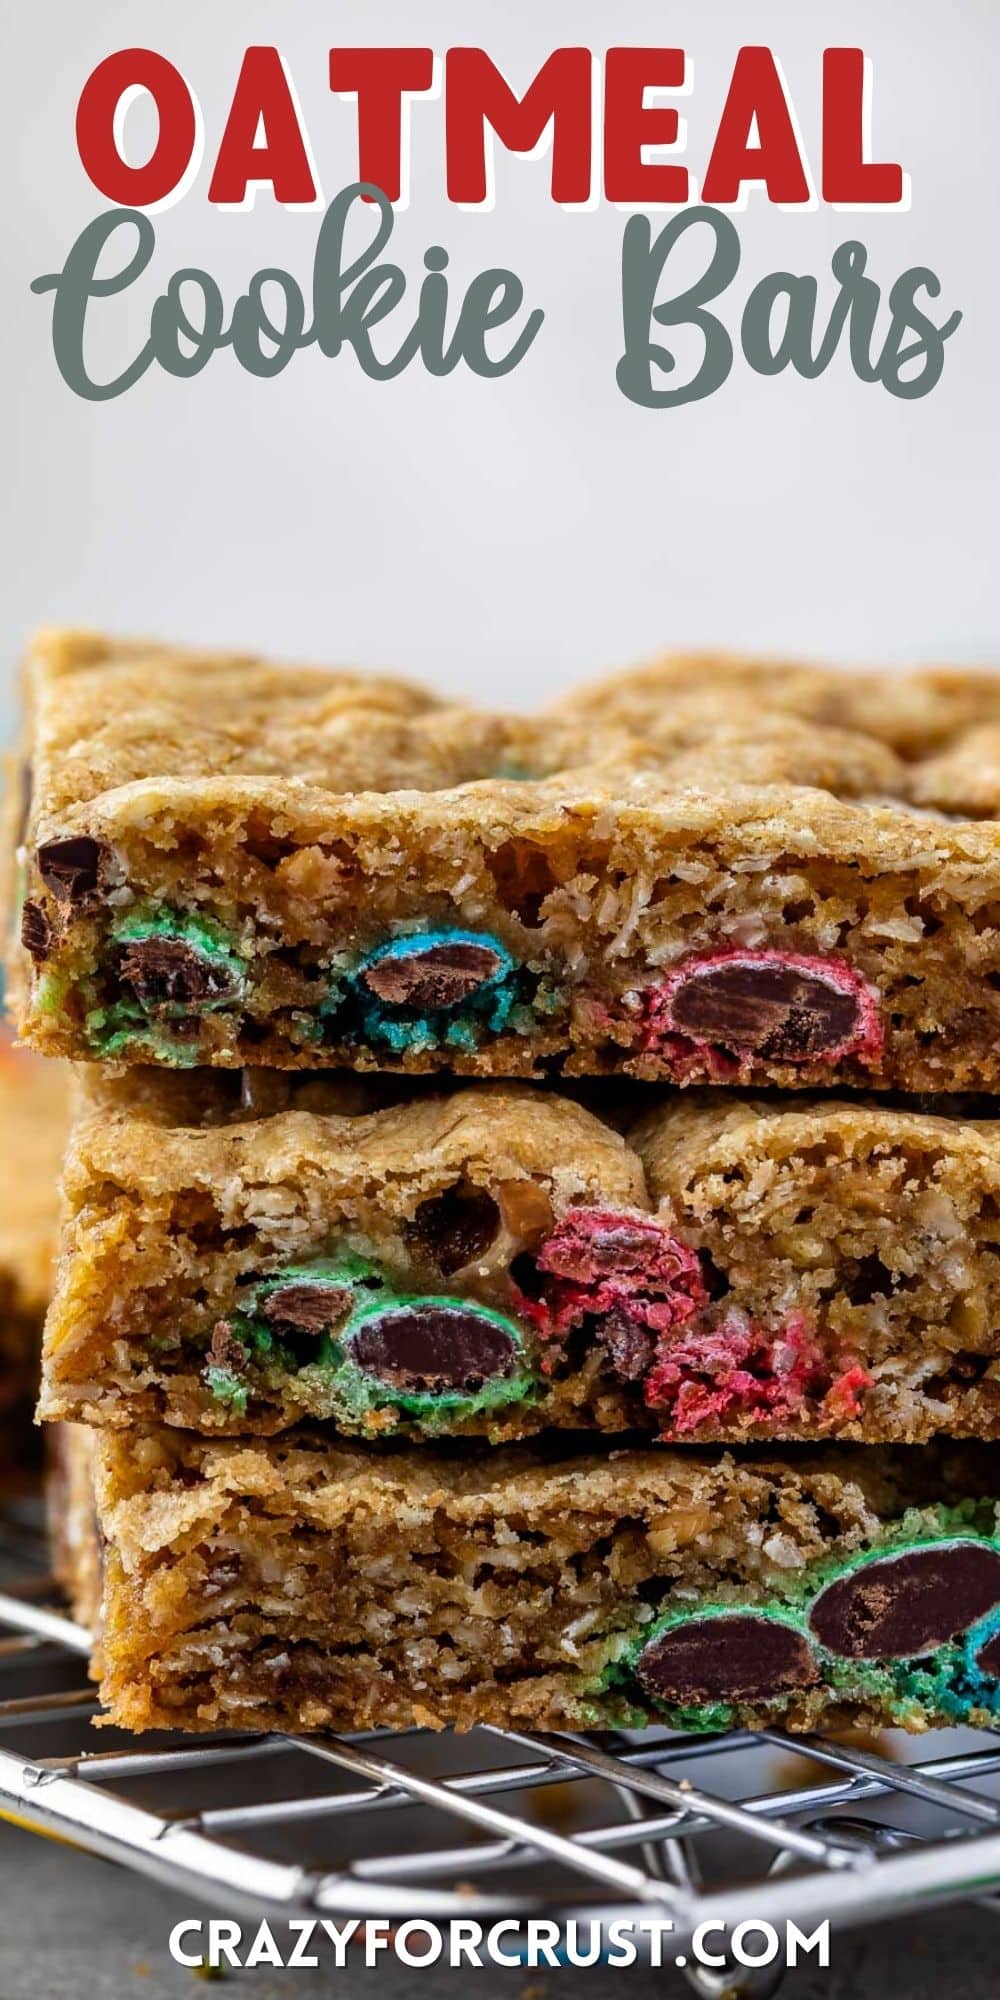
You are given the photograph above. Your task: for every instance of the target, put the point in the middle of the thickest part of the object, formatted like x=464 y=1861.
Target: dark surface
x=76 y=1928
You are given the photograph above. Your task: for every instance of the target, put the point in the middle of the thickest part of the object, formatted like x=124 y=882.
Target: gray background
x=503 y=536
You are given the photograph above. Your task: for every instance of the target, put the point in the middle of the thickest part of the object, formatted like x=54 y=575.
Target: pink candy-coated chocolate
x=741 y=1372
x=601 y=1261
x=627 y=1270
x=659 y=1035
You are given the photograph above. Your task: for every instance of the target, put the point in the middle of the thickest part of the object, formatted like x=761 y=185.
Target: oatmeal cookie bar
x=34 y=1115
x=241 y=1255
x=307 y=1586
x=917 y=712
x=223 y=864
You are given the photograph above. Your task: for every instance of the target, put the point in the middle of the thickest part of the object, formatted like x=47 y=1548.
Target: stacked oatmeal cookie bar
x=428 y=1348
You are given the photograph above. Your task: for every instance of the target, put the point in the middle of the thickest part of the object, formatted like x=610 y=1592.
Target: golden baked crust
x=303 y=1586
x=913 y=711
x=237 y=1256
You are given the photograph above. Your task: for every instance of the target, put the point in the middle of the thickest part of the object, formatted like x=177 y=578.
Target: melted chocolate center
x=905 y=1605
x=165 y=971
x=778 y=1010
x=439 y=975
x=732 y=1658
x=433 y=1348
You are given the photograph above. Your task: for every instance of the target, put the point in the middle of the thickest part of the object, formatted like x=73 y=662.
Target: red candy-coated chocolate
x=601 y=1261
x=741 y=1371
x=662 y=1035
x=641 y=1289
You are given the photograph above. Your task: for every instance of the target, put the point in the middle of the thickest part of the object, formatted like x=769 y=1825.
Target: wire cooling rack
x=696 y=1830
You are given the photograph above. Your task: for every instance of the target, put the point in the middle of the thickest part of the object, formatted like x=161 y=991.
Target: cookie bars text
x=613 y=134
x=608 y=123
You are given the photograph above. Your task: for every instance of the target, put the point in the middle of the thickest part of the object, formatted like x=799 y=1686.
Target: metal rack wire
x=706 y=1829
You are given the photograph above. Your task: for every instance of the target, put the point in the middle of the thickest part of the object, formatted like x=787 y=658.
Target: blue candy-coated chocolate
x=460 y=1026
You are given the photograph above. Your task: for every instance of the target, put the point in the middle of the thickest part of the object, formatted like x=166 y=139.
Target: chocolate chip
x=433 y=1347
x=631 y=1349
x=166 y=971
x=74 y=869
x=36 y=932
x=730 y=1658
x=779 y=1011
x=433 y=976
x=307 y=1307
x=226 y=1350
x=988 y=1661
x=901 y=1606
x=453 y=1228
